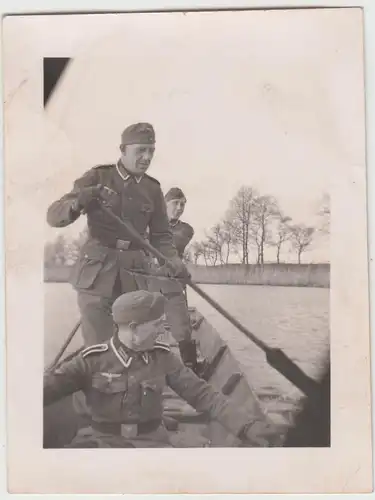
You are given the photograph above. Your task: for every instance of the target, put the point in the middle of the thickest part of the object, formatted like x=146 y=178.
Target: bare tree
x=197 y=251
x=255 y=235
x=207 y=253
x=73 y=248
x=265 y=209
x=219 y=240
x=301 y=239
x=282 y=233
x=229 y=239
x=239 y=217
x=58 y=252
x=213 y=243
x=187 y=257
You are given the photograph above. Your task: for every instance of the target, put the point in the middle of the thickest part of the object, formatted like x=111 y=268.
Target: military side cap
x=139 y=306
x=175 y=193
x=138 y=133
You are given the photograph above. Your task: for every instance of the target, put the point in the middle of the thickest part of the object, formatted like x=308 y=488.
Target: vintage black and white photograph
x=179 y=223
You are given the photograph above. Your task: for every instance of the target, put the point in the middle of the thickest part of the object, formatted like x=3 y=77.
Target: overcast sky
x=265 y=99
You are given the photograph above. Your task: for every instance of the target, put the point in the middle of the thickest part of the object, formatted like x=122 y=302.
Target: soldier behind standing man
x=100 y=274
x=176 y=309
x=182 y=231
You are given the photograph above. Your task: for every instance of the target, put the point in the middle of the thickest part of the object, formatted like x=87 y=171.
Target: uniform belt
x=126 y=429
x=123 y=245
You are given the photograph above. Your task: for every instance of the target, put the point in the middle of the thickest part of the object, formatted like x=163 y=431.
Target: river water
x=296 y=319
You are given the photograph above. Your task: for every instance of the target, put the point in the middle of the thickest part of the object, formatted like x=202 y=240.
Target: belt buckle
x=122 y=244
x=129 y=430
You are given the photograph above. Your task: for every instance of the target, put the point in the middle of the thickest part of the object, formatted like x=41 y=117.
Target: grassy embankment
x=307 y=275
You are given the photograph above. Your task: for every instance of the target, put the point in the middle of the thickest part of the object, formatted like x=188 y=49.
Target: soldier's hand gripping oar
x=275 y=357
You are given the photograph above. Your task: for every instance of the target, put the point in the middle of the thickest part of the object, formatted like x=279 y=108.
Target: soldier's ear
x=133 y=326
x=123 y=148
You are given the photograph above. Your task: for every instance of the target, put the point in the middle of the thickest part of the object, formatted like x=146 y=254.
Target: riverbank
x=304 y=275
x=308 y=275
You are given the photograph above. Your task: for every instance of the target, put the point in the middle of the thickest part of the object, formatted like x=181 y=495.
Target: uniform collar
x=125 y=355
x=174 y=222
x=125 y=175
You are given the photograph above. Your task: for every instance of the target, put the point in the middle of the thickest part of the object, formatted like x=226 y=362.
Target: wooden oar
x=64 y=346
x=275 y=356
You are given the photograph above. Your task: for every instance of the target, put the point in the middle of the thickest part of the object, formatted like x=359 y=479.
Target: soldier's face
x=175 y=208
x=141 y=337
x=136 y=158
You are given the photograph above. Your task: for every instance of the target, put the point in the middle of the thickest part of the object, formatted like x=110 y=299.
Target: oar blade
x=283 y=364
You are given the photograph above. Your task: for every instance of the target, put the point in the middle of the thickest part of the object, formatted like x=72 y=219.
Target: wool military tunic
x=124 y=387
x=182 y=234
x=140 y=201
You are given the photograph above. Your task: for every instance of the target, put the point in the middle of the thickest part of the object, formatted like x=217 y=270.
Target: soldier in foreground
x=176 y=308
x=123 y=380
x=100 y=274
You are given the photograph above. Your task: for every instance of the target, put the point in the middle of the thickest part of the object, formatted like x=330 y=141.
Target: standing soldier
x=100 y=274
x=176 y=309
x=124 y=378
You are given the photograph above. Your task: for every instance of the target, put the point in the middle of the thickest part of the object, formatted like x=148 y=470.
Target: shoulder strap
x=92 y=349
x=187 y=226
x=104 y=166
x=162 y=346
x=152 y=179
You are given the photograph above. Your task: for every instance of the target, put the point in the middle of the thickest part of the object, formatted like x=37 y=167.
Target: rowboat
x=187 y=427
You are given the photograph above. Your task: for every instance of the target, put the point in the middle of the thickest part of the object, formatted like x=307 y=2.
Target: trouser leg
x=177 y=315
x=96 y=318
x=176 y=308
x=178 y=319
x=97 y=326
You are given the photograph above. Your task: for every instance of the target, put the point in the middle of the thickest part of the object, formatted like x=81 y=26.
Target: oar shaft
x=65 y=345
x=228 y=316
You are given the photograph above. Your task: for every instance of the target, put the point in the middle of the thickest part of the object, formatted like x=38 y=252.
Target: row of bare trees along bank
x=253 y=223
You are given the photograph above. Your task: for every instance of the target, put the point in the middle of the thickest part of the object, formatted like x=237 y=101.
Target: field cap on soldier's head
x=138 y=133
x=175 y=193
x=139 y=306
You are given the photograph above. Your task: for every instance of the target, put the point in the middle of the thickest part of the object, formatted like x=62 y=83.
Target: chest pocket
x=151 y=397
x=110 y=383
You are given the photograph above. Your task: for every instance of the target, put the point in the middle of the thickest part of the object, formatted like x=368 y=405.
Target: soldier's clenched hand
x=88 y=195
x=261 y=433
x=108 y=196
x=177 y=268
